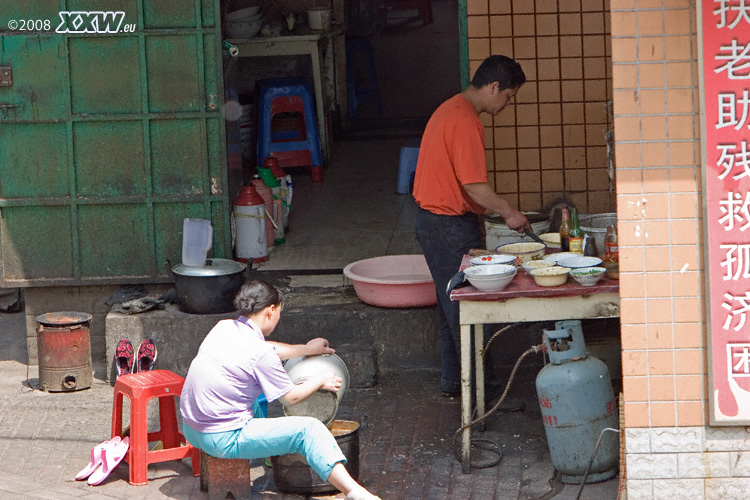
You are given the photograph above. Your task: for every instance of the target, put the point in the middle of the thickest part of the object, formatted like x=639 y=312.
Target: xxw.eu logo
x=93 y=22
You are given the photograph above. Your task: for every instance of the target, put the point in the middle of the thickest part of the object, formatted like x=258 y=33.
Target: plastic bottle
x=575 y=237
x=611 y=251
x=565 y=230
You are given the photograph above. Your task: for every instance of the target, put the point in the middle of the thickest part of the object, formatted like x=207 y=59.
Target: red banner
x=725 y=41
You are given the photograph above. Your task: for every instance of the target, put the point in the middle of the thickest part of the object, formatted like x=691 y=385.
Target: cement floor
x=405 y=443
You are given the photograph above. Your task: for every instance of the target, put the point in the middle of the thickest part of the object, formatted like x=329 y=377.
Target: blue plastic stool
x=300 y=148
x=407 y=166
x=359 y=95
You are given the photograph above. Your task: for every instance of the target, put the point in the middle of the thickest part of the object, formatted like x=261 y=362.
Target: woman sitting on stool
x=234 y=366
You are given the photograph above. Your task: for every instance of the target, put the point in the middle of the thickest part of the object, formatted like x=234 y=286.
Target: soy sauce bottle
x=575 y=237
x=565 y=230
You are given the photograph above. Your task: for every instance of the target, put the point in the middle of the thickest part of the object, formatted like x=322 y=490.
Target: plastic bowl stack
x=244 y=23
x=486 y=260
x=490 y=278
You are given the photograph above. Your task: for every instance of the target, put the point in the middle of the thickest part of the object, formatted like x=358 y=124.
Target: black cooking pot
x=208 y=289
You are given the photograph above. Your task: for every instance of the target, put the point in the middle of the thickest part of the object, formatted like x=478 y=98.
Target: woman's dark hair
x=256 y=295
x=501 y=69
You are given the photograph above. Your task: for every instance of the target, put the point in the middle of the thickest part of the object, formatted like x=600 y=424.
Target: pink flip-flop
x=96 y=458
x=111 y=457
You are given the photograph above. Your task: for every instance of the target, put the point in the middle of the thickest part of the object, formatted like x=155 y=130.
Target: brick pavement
x=405 y=441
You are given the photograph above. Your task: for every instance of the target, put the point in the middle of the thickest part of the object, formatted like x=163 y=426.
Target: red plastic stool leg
x=317 y=174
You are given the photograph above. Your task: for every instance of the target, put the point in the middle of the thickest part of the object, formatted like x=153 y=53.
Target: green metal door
x=110 y=135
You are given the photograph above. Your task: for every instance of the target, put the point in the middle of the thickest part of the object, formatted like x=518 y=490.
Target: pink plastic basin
x=393 y=281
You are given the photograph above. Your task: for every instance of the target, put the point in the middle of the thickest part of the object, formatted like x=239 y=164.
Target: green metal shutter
x=109 y=140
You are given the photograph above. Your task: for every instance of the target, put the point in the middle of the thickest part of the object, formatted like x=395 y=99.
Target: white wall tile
x=739 y=463
x=718 y=464
x=727 y=439
x=638 y=440
x=727 y=489
x=691 y=465
x=652 y=466
x=673 y=440
x=640 y=489
x=678 y=489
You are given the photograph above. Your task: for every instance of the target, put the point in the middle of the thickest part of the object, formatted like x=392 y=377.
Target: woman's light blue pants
x=268 y=437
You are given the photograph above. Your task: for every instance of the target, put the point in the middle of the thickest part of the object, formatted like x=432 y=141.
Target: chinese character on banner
x=725 y=41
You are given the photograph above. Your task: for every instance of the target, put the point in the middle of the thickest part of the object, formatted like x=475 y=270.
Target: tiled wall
x=553 y=142
x=657 y=133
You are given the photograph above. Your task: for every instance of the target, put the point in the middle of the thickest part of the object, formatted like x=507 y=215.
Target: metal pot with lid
x=210 y=288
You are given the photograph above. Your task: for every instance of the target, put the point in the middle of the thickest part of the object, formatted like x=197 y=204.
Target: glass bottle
x=565 y=230
x=611 y=251
x=575 y=237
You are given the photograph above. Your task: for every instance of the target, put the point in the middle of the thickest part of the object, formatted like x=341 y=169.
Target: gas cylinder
x=273 y=183
x=287 y=187
x=577 y=403
x=267 y=195
x=249 y=217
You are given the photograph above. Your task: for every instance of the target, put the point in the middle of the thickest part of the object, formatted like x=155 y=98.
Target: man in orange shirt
x=451 y=188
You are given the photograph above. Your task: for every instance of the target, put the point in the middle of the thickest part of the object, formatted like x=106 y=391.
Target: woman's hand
x=319 y=346
x=330 y=382
x=327 y=381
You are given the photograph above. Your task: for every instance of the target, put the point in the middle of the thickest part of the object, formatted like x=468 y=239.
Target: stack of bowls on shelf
x=491 y=277
x=244 y=23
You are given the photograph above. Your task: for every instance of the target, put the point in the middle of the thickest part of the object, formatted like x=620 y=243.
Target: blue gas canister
x=577 y=403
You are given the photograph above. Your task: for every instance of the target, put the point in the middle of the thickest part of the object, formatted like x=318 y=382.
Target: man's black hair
x=504 y=70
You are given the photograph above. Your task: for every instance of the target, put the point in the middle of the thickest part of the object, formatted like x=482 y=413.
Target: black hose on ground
x=500 y=401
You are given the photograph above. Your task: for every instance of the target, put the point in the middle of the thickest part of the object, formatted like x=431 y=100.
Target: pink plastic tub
x=393 y=281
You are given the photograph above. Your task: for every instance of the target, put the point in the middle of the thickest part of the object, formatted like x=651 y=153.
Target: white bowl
x=242 y=14
x=484 y=260
x=550 y=276
x=588 y=276
x=490 y=281
x=536 y=264
x=555 y=257
x=524 y=251
x=241 y=29
x=551 y=239
x=579 y=261
x=490 y=271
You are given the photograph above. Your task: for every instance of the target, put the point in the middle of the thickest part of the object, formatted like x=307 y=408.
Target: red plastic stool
x=140 y=388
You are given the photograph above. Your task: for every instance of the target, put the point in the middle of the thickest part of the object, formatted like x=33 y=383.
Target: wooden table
x=522 y=300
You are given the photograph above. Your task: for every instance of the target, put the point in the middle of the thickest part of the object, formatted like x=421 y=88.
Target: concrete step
x=370 y=339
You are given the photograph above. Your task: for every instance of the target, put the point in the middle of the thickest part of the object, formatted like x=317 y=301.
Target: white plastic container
x=499 y=234
x=595 y=225
x=319 y=18
x=197 y=239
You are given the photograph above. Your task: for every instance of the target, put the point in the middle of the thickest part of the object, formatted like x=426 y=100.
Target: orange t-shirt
x=451 y=155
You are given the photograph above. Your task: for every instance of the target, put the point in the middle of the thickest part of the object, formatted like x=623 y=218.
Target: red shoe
x=146 y=356
x=124 y=357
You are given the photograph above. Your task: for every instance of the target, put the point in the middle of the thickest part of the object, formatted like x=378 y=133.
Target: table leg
x=479 y=369
x=466 y=397
x=317 y=63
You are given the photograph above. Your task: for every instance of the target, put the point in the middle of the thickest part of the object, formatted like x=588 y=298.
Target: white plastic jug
x=197 y=239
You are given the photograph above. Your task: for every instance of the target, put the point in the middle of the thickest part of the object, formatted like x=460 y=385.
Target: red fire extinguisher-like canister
x=249 y=219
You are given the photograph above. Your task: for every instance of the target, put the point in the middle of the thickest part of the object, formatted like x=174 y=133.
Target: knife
x=533 y=236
